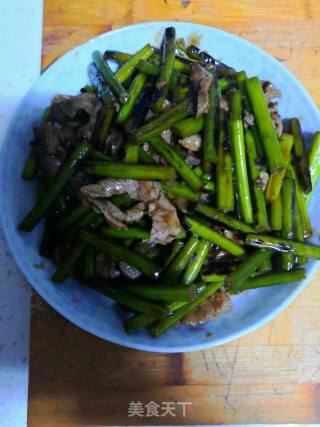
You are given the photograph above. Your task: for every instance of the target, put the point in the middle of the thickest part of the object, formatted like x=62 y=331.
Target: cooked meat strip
x=271 y=93
x=201 y=79
x=165 y=221
x=211 y=308
x=192 y=142
x=71 y=118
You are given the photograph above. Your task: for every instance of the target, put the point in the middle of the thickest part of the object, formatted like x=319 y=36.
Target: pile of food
x=171 y=184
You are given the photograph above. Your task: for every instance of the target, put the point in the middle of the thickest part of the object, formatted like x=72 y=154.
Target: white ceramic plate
x=82 y=306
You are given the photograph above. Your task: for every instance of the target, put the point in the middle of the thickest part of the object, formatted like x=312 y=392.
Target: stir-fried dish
x=171 y=184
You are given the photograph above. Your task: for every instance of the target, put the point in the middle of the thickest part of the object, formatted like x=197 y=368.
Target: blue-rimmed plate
x=81 y=305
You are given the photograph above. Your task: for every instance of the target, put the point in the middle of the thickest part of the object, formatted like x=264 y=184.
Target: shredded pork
x=153 y=201
x=116 y=217
x=271 y=93
x=248 y=119
x=192 y=142
x=71 y=118
x=201 y=79
x=224 y=106
x=166 y=135
x=165 y=221
x=262 y=180
x=211 y=308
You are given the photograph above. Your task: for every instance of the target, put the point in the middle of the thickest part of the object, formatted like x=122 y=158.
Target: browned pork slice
x=211 y=308
x=192 y=142
x=153 y=201
x=201 y=79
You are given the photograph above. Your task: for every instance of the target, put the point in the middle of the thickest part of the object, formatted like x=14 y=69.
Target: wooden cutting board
x=269 y=376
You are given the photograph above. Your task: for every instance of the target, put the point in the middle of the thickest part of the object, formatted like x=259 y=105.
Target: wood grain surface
x=269 y=376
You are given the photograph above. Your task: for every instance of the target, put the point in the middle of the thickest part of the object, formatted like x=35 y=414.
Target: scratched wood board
x=269 y=376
